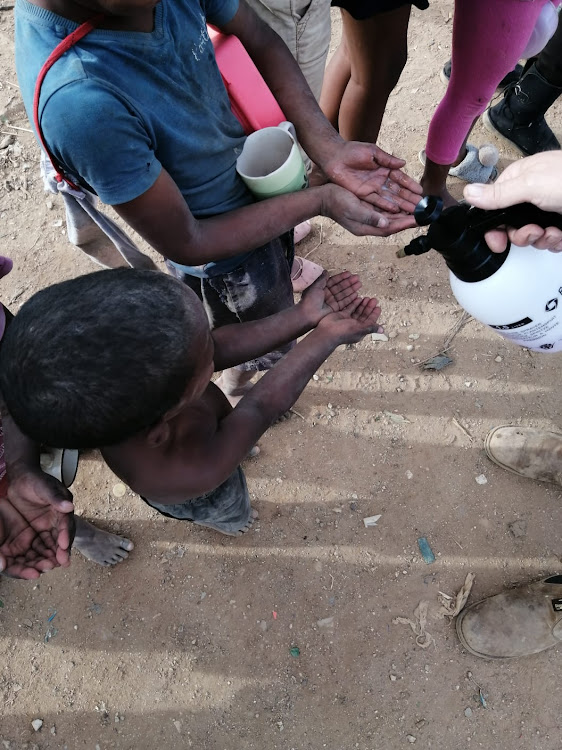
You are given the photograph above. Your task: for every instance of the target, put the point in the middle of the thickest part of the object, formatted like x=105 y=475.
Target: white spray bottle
x=517 y=293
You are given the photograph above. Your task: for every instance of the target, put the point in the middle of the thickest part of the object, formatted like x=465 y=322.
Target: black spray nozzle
x=458 y=232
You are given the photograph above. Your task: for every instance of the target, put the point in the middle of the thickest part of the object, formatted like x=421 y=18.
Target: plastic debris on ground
x=423 y=638
x=295 y=652
x=425 y=550
x=371 y=520
x=437 y=363
x=451 y=606
x=396 y=418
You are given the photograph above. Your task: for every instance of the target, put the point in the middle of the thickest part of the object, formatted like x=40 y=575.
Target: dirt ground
x=188 y=643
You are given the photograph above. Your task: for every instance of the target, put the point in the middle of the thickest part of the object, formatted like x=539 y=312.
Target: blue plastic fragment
x=52 y=616
x=426 y=551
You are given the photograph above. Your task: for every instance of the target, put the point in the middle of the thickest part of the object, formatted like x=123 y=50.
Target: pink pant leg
x=488 y=39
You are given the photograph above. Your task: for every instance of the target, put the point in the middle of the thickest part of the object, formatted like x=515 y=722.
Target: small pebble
x=481 y=479
x=411 y=738
x=379 y=337
x=468 y=712
x=409 y=474
x=37 y=724
x=393 y=677
x=498 y=359
x=414 y=336
x=410 y=348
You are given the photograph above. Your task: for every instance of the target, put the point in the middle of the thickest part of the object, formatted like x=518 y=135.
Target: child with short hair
x=122 y=360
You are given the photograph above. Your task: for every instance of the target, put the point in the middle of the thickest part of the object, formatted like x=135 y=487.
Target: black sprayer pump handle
x=458 y=232
x=513 y=216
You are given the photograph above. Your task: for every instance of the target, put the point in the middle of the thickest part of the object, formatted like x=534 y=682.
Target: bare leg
x=100 y=546
x=235 y=383
x=336 y=78
x=363 y=72
x=434 y=178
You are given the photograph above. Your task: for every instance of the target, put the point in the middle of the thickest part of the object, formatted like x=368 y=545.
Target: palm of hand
x=34 y=536
x=375 y=177
x=328 y=295
x=354 y=321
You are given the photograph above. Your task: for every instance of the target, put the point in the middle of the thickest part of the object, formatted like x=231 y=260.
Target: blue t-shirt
x=121 y=105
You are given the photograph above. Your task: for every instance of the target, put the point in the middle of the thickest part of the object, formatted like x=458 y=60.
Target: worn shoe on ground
x=515 y=623
x=535 y=454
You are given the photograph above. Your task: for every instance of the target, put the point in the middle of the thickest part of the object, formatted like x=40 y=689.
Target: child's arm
x=162 y=217
x=241 y=342
x=206 y=463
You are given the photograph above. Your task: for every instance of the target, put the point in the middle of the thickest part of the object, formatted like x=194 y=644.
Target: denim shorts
x=261 y=286
x=226 y=508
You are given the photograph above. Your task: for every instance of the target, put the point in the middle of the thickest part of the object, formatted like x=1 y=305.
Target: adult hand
x=329 y=294
x=535 y=179
x=350 y=325
x=374 y=176
x=36 y=525
x=359 y=216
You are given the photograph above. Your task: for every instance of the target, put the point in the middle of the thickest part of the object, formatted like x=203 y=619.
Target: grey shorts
x=261 y=286
x=225 y=509
x=304 y=26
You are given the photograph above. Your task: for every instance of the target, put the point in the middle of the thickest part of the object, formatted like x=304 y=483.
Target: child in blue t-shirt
x=137 y=112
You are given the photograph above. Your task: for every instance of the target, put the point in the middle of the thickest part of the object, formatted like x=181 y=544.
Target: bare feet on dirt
x=100 y=546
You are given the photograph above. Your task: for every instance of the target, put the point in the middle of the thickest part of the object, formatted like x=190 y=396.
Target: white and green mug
x=271 y=162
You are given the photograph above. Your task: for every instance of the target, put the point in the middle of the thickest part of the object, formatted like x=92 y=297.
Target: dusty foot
x=100 y=546
x=253 y=517
x=235 y=384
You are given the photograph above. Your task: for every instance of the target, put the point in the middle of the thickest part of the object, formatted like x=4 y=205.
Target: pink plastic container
x=250 y=98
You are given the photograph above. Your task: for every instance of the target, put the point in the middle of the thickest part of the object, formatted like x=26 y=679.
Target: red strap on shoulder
x=68 y=42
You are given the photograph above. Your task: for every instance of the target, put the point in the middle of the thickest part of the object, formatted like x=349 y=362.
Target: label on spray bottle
x=527 y=333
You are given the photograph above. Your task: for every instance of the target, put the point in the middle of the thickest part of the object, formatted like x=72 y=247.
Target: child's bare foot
x=232 y=532
x=100 y=546
x=235 y=383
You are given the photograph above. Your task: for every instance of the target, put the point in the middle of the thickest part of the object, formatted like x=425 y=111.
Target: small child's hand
x=356 y=320
x=328 y=295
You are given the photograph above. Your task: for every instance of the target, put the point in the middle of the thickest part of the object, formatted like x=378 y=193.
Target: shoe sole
x=488 y=122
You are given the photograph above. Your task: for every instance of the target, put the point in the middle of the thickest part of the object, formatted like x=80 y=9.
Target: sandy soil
x=187 y=644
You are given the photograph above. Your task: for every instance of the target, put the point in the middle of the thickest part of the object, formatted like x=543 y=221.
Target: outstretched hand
x=36 y=526
x=359 y=216
x=350 y=324
x=373 y=176
x=329 y=294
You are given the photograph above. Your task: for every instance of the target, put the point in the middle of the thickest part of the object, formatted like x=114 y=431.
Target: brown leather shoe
x=531 y=453
x=520 y=622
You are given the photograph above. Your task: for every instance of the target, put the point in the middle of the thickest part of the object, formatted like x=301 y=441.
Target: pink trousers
x=488 y=39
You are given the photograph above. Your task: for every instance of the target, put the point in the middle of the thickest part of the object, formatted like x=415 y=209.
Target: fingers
x=532 y=234
x=498 y=194
x=342 y=283
x=385 y=226
x=368 y=311
x=387 y=160
x=496 y=240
